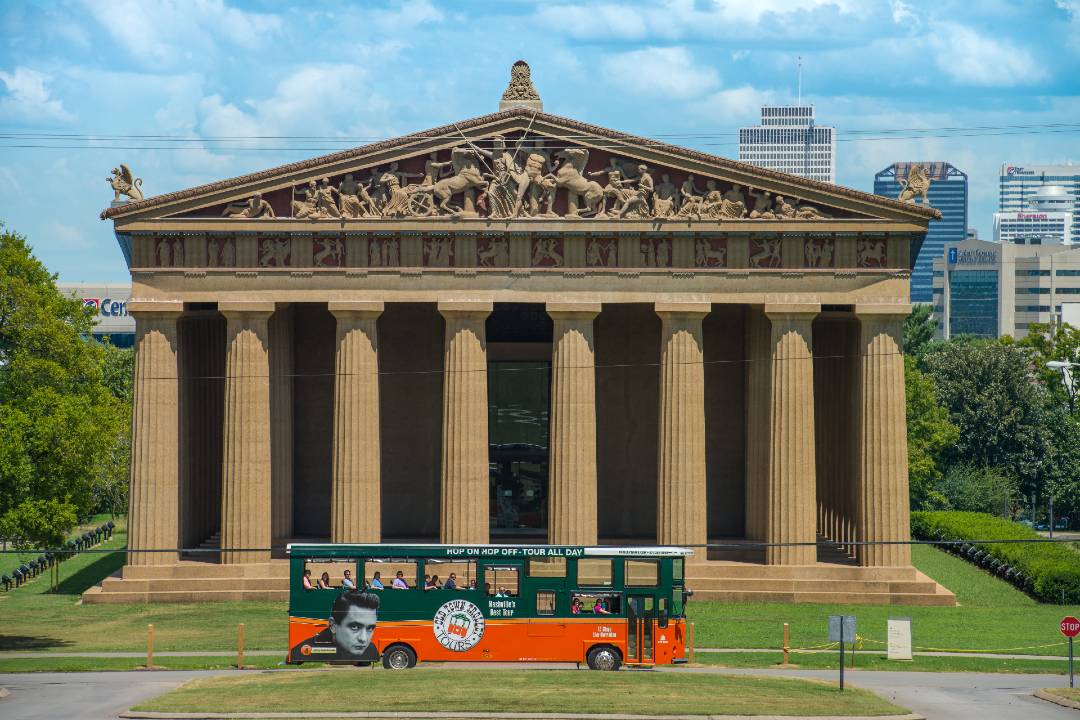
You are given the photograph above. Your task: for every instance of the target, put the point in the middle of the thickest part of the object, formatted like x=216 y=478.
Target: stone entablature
x=697 y=251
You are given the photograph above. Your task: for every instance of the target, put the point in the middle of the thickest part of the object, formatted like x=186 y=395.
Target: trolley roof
x=481 y=552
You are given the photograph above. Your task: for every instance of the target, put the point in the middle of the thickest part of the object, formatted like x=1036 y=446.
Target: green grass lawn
x=992 y=616
x=831 y=661
x=1067 y=693
x=10 y=561
x=518 y=691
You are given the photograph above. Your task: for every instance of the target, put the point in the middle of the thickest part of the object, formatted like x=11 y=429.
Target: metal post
x=240 y=647
x=841 y=653
x=150 y=646
x=1051 y=516
x=787 y=644
x=1071 y=663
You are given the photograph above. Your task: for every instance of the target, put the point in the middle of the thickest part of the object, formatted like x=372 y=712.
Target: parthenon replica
x=521 y=328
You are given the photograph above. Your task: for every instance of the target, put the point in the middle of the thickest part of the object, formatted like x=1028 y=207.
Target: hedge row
x=1048 y=571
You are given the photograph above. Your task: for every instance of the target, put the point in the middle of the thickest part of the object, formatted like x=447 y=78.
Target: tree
x=919 y=329
x=60 y=422
x=976 y=489
x=1052 y=342
x=999 y=406
x=930 y=434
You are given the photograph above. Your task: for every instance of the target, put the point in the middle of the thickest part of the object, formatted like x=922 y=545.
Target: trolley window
x=330 y=573
x=595 y=603
x=594 y=571
x=547 y=567
x=391 y=573
x=677 y=570
x=443 y=574
x=501 y=580
x=545 y=603
x=641 y=573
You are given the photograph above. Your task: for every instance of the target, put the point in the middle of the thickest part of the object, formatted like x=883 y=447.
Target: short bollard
x=240 y=647
x=787 y=645
x=150 y=646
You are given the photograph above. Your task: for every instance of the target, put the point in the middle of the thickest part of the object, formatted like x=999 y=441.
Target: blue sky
x=345 y=72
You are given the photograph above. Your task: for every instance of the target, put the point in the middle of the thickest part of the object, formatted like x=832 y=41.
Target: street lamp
x=1065 y=368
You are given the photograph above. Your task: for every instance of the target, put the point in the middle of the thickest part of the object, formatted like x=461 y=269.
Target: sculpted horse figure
x=466 y=177
x=583 y=195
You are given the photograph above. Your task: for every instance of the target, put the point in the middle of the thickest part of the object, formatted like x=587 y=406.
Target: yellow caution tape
x=973 y=650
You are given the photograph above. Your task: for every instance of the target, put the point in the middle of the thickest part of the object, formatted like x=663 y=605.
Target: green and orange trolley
x=403 y=604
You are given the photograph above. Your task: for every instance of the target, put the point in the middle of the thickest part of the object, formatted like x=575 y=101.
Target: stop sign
x=1070 y=626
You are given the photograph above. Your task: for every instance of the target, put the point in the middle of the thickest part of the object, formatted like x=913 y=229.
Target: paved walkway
x=936 y=696
x=20 y=654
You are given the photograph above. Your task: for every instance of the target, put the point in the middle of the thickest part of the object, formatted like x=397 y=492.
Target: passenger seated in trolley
x=399 y=582
x=376 y=581
x=306 y=580
x=324 y=581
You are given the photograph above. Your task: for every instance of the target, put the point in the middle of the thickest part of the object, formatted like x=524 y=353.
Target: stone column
x=464 y=497
x=245 y=477
x=572 y=461
x=281 y=424
x=680 y=512
x=153 y=517
x=758 y=424
x=792 y=481
x=355 y=492
x=883 y=510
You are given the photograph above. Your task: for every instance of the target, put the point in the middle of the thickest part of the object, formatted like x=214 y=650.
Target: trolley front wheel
x=399 y=657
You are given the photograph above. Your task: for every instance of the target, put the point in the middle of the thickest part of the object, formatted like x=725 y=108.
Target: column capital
x=683 y=308
x=480 y=308
x=368 y=309
x=807 y=311
x=581 y=310
x=150 y=308
x=882 y=310
x=246 y=307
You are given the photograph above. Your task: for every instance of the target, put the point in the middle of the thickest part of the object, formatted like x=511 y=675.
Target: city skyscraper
x=1024 y=185
x=790 y=140
x=949 y=194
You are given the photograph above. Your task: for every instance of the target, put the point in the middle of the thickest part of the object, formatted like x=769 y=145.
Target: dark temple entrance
x=519 y=403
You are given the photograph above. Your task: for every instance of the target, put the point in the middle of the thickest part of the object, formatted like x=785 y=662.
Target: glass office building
x=949 y=194
x=1025 y=185
x=973 y=299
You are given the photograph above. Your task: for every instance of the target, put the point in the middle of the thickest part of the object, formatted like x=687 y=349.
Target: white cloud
x=973 y=59
x=406 y=16
x=734 y=106
x=660 y=72
x=674 y=19
x=170 y=32
x=341 y=93
x=28 y=99
x=903 y=13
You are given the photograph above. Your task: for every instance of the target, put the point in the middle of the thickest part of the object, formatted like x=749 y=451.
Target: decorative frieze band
x=447 y=250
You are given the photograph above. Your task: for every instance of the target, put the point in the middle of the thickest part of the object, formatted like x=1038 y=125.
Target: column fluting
x=681 y=495
x=792 y=514
x=464 y=473
x=572 y=460
x=154 y=504
x=883 y=508
x=356 y=486
x=281 y=424
x=245 y=491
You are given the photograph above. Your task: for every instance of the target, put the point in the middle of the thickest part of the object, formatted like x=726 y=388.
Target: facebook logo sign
x=952 y=256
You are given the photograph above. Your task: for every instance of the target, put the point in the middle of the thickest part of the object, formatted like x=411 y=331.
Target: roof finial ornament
x=520 y=92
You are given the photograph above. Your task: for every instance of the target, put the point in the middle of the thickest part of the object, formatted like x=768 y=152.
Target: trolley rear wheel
x=603 y=657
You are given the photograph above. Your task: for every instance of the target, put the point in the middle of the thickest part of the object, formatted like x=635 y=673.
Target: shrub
x=1046 y=570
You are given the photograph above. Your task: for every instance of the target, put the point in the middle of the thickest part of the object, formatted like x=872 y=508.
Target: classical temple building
x=521 y=328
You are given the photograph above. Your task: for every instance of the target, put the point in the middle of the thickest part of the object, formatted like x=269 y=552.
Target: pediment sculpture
x=124 y=182
x=523 y=178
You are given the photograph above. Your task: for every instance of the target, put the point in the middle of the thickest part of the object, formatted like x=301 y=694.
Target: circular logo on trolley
x=458 y=625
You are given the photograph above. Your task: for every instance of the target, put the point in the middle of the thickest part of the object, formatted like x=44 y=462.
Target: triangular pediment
x=519 y=164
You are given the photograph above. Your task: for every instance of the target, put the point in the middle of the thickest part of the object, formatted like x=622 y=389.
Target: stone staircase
x=194 y=581
x=823 y=582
